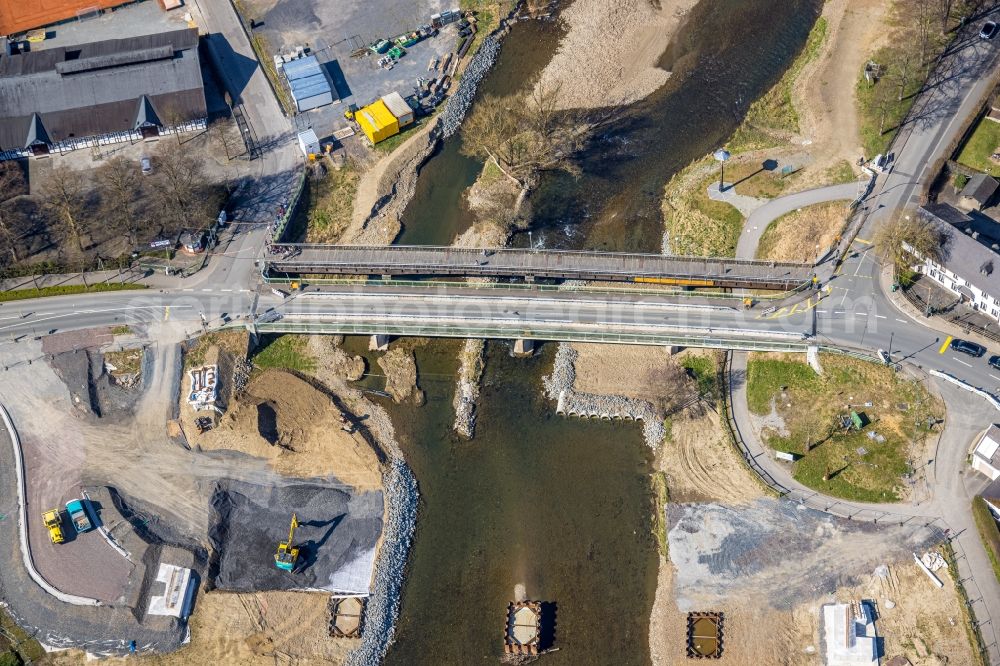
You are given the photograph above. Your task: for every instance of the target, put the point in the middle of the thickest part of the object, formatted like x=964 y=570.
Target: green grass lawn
x=705 y=372
x=988 y=532
x=696 y=224
x=67 y=290
x=859 y=468
x=284 y=352
x=984 y=142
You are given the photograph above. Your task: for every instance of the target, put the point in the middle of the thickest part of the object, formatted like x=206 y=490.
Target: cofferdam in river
x=727 y=54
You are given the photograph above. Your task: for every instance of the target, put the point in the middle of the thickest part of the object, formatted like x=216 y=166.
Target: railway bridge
x=296 y=260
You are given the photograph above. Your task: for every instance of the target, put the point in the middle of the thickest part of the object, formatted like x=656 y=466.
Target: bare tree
x=909 y=239
x=12 y=184
x=526 y=134
x=122 y=185
x=183 y=197
x=63 y=196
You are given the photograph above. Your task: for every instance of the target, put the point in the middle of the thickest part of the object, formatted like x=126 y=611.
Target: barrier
x=22 y=523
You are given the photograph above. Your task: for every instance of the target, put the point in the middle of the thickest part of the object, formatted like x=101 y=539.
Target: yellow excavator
x=287 y=554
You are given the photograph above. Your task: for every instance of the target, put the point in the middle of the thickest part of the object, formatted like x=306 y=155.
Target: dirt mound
x=298 y=428
x=400 y=370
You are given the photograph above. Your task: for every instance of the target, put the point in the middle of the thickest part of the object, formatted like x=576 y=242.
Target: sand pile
x=611 y=49
x=298 y=428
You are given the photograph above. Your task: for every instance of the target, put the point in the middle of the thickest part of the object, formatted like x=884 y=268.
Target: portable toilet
x=399 y=108
x=377 y=122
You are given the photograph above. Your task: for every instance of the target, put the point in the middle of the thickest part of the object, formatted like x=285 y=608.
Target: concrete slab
x=135 y=20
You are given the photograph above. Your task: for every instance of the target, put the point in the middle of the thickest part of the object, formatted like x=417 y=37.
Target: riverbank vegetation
x=988 y=532
x=330 y=196
x=800 y=412
x=773 y=117
x=695 y=224
x=284 y=352
x=661 y=497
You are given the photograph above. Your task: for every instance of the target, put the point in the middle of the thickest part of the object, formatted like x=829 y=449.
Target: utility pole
x=721 y=156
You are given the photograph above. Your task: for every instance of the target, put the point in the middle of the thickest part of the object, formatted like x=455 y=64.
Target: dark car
x=966 y=347
x=995 y=362
x=989 y=30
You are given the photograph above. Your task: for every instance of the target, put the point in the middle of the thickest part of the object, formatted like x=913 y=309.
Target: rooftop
x=989 y=445
x=980 y=187
x=972 y=245
x=20 y=15
x=100 y=87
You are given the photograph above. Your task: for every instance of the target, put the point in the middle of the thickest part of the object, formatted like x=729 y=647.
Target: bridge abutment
x=523 y=348
x=378 y=342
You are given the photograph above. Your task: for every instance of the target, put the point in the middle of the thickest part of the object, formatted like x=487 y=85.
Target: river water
x=725 y=56
x=561 y=506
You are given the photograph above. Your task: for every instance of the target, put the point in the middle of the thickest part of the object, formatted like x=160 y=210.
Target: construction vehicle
x=350 y=111
x=287 y=553
x=78 y=515
x=53 y=520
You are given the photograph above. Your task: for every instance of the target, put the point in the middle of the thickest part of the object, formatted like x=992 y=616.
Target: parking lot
x=334 y=30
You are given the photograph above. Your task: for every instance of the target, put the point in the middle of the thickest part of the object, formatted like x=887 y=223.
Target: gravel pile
x=382 y=608
x=560 y=382
x=467 y=390
x=460 y=101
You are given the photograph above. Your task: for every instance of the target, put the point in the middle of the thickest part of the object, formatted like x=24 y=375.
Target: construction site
x=171 y=480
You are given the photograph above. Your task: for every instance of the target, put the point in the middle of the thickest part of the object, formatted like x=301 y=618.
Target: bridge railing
x=403 y=249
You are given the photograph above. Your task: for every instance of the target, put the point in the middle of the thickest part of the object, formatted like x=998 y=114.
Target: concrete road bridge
x=393 y=260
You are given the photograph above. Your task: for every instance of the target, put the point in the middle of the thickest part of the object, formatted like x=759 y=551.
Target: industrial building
x=385 y=117
x=105 y=92
x=308 y=82
x=16 y=16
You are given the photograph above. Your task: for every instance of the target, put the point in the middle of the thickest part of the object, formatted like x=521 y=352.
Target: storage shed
x=399 y=108
x=309 y=142
x=377 y=122
x=308 y=82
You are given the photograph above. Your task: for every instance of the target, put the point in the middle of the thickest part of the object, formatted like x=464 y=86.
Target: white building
x=971 y=265
x=849 y=634
x=986 y=454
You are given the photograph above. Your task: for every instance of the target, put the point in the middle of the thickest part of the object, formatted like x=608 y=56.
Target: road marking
x=947 y=341
x=902 y=321
x=968 y=365
x=166 y=313
x=821 y=311
x=995 y=377
x=187 y=289
x=226 y=290
x=206 y=290
x=861 y=314
x=862 y=240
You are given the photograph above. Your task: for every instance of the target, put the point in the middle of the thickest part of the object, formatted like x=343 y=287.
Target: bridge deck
x=618 y=267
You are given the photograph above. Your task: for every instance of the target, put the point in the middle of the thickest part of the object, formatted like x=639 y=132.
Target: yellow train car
x=680 y=282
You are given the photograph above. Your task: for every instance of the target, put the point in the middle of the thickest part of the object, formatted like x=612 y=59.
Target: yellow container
x=377 y=122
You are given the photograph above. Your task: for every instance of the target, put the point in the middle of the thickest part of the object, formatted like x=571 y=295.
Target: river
x=561 y=506
x=726 y=55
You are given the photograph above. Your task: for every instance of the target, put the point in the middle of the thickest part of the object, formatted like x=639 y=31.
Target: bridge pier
x=523 y=348
x=378 y=342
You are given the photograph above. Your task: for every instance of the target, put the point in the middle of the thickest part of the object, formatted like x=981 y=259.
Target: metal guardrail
x=446 y=331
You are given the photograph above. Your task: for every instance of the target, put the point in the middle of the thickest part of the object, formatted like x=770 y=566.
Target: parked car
x=79 y=515
x=966 y=347
x=989 y=30
x=146 y=164
x=994 y=362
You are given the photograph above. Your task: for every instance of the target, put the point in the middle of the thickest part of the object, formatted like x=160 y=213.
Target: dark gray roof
x=973 y=259
x=980 y=187
x=97 y=88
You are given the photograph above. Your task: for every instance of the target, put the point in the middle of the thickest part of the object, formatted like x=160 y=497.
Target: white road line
x=226 y=290
x=861 y=314
x=902 y=321
x=995 y=377
x=968 y=365
x=881 y=317
x=206 y=290
x=821 y=311
x=187 y=289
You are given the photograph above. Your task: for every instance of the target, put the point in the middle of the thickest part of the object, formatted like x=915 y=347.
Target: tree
x=182 y=196
x=923 y=237
x=526 y=134
x=122 y=184
x=12 y=184
x=63 y=196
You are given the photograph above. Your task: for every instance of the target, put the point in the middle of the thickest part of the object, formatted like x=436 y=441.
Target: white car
x=146 y=164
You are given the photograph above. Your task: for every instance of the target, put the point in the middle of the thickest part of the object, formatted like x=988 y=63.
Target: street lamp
x=721 y=156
